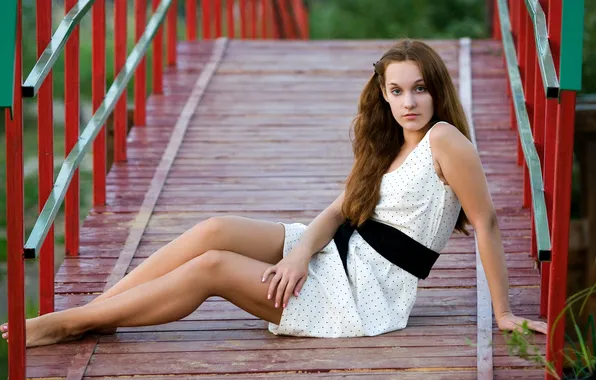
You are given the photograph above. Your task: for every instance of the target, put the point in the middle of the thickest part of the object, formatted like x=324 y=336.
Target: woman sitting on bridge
x=353 y=271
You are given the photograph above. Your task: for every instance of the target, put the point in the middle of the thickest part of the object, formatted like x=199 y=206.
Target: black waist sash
x=391 y=243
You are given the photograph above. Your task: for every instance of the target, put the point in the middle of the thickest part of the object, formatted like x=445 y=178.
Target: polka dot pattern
x=377 y=296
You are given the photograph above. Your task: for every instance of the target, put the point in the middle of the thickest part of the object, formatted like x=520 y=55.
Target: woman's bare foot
x=43 y=331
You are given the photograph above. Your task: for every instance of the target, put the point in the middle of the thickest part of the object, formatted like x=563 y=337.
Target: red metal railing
x=257 y=19
x=45 y=133
x=549 y=93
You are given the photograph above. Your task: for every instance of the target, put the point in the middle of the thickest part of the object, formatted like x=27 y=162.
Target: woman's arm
x=322 y=229
x=462 y=170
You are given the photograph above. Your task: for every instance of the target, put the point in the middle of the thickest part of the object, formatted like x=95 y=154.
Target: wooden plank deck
x=270 y=139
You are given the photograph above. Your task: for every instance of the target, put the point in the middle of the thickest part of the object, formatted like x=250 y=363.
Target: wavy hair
x=378 y=137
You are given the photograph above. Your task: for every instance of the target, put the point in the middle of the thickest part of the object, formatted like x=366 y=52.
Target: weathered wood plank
x=266 y=361
x=455 y=374
x=370 y=374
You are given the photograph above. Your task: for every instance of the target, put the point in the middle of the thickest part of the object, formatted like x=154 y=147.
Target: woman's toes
x=4 y=327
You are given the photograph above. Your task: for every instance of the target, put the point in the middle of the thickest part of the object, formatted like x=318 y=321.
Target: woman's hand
x=290 y=275
x=509 y=322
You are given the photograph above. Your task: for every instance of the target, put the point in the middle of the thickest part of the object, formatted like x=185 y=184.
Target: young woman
x=353 y=271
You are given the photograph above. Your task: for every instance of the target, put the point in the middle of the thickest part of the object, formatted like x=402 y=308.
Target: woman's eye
x=395 y=91
x=420 y=88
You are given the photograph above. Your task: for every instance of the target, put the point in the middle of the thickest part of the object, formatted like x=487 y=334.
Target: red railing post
x=230 y=17
x=45 y=148
x=294 y=13
x=287 y=19
x=157 y=56
x=253 y=18
x=559 y=139
x=71 y=121
x=265 y=18
x=191 y=20
x=120 y=119
x=98 y=89
x=307 y=22
x=206 y=17
x=15 y=233
x=172 y=40
x=560 y=222
x=554 y=11
x=217 y=6
x=242 y=9
x=496 y=30
x=140 y=89
x=302 y=18
x=539 y=132
x=276 y=20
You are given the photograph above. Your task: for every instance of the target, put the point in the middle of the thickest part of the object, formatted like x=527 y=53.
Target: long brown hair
x=378 y=137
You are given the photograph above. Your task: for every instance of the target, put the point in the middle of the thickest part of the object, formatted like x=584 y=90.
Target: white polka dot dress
x=377 y=296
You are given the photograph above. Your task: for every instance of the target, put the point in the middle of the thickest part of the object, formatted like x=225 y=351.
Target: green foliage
x=589 y=66
x=331 y=19
x=520 y=343
x=580 y=355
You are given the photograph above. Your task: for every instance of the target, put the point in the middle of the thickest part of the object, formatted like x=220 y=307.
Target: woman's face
x=406 y=93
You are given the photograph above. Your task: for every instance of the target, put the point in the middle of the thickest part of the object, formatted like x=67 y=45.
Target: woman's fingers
x=538 y=326
x=289 y=289
x=282 y=285
x=299 y=285
x=268 y=272
x=273 y=285
x=281 y=288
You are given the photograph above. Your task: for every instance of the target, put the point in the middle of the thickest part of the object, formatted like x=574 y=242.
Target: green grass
x=580 y=353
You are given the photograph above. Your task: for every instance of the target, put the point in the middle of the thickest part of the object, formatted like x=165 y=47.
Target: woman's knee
x=211 y=260
x=207 y=267
x=212 y=230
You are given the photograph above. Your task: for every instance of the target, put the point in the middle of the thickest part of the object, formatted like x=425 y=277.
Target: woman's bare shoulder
x=446 y=140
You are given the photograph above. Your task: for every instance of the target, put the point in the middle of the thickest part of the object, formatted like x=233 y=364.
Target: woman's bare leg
x=260 y=240
x=165 y=299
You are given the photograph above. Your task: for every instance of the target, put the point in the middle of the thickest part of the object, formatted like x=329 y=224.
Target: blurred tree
x=589 y=66
x=397 y=18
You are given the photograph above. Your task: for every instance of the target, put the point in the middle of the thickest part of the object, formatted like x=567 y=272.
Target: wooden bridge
x=260 y=128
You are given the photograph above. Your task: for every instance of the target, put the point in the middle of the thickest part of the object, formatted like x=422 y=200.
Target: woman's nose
x=409 y=101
